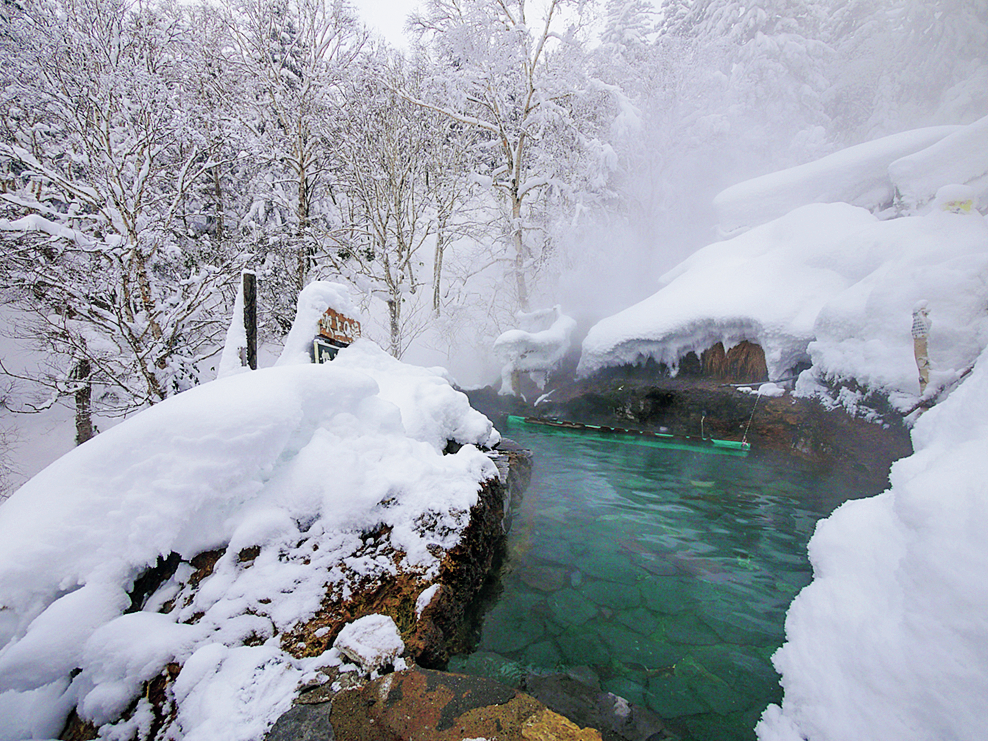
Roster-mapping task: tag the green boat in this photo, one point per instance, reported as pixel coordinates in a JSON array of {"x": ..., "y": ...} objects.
[{"x": 633, "y": 437}]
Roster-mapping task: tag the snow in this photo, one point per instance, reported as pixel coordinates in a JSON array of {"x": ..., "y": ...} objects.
[
  {"x": 858, "y": 175},
  {"x": 297, "y": 460},
  {"x": 36, "y": 223},
  {"x": 536, "y": 349},
  {"x": 770, "y": 390},
  {"x": 961, "y": 157},
  {"x": 313, "y": 301},
  {"x": 425, "y": 599},
  {"x": 766, "y": 286},
  {"x": 890, "y": 640},
  {"x": 231, "y": 362},
  {"x": 371, "y": 641},
  {"x": 828, "y": 284}
]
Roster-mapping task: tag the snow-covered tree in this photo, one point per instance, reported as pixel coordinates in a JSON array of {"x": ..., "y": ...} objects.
[
  {"x": 512, "y": 79},
  {"x": 627, "y": 26},
  {"x": 289, "y": 59},
  {"x": 100, "y": 152},
  {"x": 384, "y": 149},
  {"x": 907, "y": 63},
  {"x": 775, "y": 58}
]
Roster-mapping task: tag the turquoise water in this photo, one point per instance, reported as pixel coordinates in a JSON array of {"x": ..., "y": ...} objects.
[{"x": 666, "y": 574}]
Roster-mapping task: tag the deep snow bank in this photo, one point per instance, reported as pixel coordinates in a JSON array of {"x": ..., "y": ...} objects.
[
  {"x": 903, "y": 170},
  {"x": 828, "y": 284},
  {"x": 296, "y": 460},
  {"x": 858, "y": 175},
  {"x": 890, "y": 640},
  {"x": 961, "y": 157}
]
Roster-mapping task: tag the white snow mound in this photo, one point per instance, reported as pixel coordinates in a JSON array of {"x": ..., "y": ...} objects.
[
  {"x": 858, "y": 175},
  {"x": 297, "y": 460},
  {"x": 372, "y": 642},
  {"x": 537, "y": 349},
  {"x": 890, "y": 640},
  {"x": 961, "y": 157}
]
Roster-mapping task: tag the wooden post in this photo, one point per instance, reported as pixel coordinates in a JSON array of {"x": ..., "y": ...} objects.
[{"x": 250, "y": 318}]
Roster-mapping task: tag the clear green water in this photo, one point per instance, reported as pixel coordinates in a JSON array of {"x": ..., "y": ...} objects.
[{"x": 666, "y": 573}]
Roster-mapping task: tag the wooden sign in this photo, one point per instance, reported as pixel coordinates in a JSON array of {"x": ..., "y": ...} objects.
[{"x": 338, "y": 328}]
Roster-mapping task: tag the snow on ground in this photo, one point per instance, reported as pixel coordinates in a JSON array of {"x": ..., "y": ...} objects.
[
  {"x": 890, "y": 640},
  {"x": 862, "y": 333},
  {"x": 296, "y": 459},
  {"x": 857, "y": 175}
]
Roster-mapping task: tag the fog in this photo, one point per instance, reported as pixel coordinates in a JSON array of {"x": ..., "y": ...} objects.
[{"x": 723, "y": 92}]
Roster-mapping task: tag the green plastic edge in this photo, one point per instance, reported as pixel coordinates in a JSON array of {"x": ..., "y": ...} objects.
[{"x": 664, "y": 441}]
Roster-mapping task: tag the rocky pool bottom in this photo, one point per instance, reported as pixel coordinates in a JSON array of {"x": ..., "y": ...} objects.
[{"x": 663, "y": 575}]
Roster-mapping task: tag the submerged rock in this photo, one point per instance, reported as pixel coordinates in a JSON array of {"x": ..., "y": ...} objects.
[
  {"x": 587, "y": 704},
  {"x": 419, "y": 704}
]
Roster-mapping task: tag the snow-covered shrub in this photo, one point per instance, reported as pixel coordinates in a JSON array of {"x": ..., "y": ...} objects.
[{"x": 537, "y": 349}]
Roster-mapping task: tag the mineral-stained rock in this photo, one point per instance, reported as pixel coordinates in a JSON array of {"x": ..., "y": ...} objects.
[
  {"x": 420, "y": 705},
  {"x": 427, "y": 636},
  {"x": 548, "y": 726}
]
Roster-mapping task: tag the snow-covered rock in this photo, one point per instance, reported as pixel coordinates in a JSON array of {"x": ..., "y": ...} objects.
[
  {"x": 765, "y": 286},
  {"x": 277, "y": 473},
  {"x": 371, "y": 642},
  {"x": 828, "y": 284}
]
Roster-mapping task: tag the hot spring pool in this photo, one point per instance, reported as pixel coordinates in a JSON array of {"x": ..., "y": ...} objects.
[{"x": 665, "y": 573}]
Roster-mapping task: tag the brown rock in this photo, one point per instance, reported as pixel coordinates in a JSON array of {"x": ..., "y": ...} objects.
[{"x": 425, "y": 705}]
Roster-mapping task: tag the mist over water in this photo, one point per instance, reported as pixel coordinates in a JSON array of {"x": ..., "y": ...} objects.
[{"x": 717, "y": 93}]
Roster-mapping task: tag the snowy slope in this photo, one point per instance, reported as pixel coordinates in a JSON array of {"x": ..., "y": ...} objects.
[
  {"x": 297, "y": 460},
  {"x": 961, "y": 157},
  {"x": 857, "y": 175}
]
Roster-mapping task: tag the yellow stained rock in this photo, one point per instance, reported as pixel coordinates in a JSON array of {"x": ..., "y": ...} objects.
[{"x": 549, "y": 726}]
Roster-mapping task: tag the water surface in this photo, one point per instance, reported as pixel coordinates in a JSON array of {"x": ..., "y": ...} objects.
[{"x": 663, "y": 574}]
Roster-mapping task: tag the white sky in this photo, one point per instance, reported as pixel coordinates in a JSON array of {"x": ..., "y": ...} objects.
[{"x": 386, "y": 16}]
